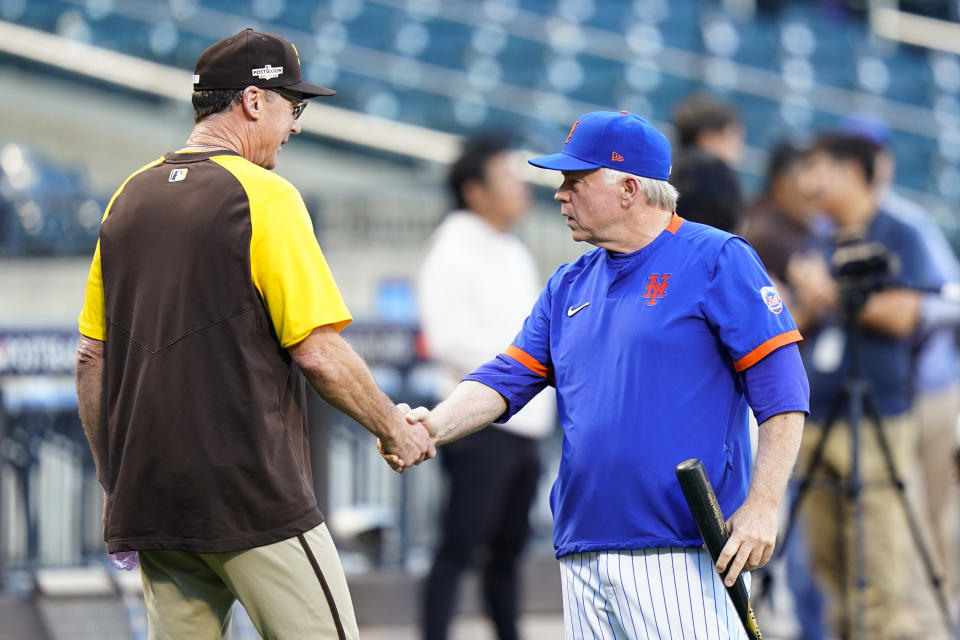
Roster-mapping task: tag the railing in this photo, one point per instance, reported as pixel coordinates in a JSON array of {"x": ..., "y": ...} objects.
[{"x": 51, "y": 502}]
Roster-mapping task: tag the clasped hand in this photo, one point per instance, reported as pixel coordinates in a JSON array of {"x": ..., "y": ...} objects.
[{"x": 411, "y": 442}]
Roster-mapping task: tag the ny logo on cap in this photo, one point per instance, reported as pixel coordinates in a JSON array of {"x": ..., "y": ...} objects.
[{"x": 267, "y": 72}]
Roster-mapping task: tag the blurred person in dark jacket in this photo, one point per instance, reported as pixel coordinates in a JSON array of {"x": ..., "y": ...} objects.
[
  {"x": 710, "y": 191},
  {"x": 709, "y": 124},
  {"x": 778, "y": 222}
]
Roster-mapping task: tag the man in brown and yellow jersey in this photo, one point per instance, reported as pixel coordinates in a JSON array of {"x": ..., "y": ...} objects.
[{"x": 207, "y": 304}]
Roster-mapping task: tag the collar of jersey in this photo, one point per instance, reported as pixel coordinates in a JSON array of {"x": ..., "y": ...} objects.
[
  {"x": 621, "y": 260},
  {"x": 186, "y": 157}
]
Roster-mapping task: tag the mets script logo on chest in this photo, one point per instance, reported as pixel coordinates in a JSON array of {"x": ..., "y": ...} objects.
[{"x": 656, "y": 287}]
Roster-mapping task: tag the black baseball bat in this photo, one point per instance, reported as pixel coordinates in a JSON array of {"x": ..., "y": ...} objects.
[{"x": 713, "y": 529}]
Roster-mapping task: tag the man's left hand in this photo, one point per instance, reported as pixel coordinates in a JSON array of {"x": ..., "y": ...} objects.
[{"x": 753, "y": 537}]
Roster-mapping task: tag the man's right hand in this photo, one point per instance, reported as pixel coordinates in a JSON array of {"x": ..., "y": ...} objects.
[{"x": 410, "y": 444}]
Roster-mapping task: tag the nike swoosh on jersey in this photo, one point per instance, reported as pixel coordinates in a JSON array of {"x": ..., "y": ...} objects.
[{"x": 572, "y": 310}]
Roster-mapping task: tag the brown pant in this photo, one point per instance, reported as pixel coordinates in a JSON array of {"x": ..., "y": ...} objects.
[
  {"x": 293, "y": 589},
  {"x": 888, "y": 547},
  {"x": 937, "y": 497}
]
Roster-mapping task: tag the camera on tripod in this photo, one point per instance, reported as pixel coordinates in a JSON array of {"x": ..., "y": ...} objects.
[{"x": 862, "y": 267}]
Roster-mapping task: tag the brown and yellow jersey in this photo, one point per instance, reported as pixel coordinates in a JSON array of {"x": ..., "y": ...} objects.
[{"x": 207, "y": 269}]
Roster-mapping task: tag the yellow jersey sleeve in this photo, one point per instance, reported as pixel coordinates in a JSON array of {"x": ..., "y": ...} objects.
[
  {"x": 290, "y": 272},
  {"x": 93, "y": 322}
]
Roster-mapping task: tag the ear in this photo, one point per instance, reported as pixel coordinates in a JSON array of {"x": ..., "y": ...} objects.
[
  {"x": 629, "y": 191},
  {"x": 253, "y": 101}
]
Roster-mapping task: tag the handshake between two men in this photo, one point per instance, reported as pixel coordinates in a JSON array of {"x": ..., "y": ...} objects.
[
  {"x": 470, "y": 407},
  {"x": 411, "y": 443}
]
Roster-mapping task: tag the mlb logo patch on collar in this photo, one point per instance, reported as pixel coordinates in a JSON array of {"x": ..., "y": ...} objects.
[{"x": 178, "y": 175}]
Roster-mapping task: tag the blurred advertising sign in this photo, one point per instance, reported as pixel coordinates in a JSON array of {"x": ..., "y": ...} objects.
[
  {"x": 385, "y": 344},
  {"x": 37, "y": 352},
  {"x": 32, "y": 352}
]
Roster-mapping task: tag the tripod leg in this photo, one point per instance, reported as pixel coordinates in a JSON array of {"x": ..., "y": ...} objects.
[
  {"x": 843, "y": 564},
  {"x": 765, "y": 588},
  {"x": 935, "y": 578},
  {"x": 810, "y": 480},
  {"x": 855, "y": 501}
]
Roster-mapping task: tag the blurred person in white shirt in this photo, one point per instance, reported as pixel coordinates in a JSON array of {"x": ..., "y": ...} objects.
[{"x": 476, "y": 285}]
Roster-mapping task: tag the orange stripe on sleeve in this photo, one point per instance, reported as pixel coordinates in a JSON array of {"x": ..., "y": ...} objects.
[
  {"x": 526, "y": 360},
  {"x": 766, "y": 349}
]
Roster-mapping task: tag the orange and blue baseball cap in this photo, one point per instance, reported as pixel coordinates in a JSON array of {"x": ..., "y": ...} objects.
[{"x": 619, "y": 140}]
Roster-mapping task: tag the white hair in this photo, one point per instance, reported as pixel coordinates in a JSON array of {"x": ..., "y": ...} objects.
[{"x": 658, "y": 193}]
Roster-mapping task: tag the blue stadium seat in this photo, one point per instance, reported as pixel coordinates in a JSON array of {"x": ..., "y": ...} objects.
[
  {"x": 830, "y": 39},
  {"x": 448, "y": 44},
  {"x": 910, "y": 77},
  {"x": 523, "y": 61},
  {"x": 759, "y": 43},
  {"x": 374, "y": 27}
]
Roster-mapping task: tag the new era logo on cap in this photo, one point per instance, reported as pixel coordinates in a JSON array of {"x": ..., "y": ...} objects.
[{"x": 622, "y": 141}]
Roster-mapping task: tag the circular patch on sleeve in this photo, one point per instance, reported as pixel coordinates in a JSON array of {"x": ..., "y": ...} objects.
[{"x": 772, "y": 299}]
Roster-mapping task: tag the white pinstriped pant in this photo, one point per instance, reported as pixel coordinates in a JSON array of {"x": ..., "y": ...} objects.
[{"x": 671, "y": 593}]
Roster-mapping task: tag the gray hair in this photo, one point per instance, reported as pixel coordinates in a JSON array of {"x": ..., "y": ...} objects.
[
  {"x": 210, "y": 102},
  {"x": 658, "y": 193}
]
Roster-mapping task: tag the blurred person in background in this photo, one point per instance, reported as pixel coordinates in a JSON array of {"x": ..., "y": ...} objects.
[
  {"x": 838, "y": 177},
  {"x": 709, "y": 124},
  {"x": 207, "y": 303},
  {"x": 475, "y": 287},
  {"x": 779, "y": 224},
  {"x": 710, "y": 191},
  {"x": 936, "y": 376}
]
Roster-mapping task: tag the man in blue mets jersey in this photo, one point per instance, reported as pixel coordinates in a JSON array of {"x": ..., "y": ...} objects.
[{"x": 658, "y": 342}]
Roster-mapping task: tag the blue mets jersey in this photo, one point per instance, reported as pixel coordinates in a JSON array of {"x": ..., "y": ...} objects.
[{"x": 644, "y": 350}]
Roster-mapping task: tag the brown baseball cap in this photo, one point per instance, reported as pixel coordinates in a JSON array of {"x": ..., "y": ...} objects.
[{"x": 253, "y": 58}]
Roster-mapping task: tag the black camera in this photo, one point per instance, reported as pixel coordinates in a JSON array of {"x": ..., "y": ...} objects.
[{"x": 862, "y": 267}]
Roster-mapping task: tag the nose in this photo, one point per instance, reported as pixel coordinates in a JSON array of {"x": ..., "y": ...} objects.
[
  {"x": 562, "y": 194},
  {"x": 295, "y": 127}
]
